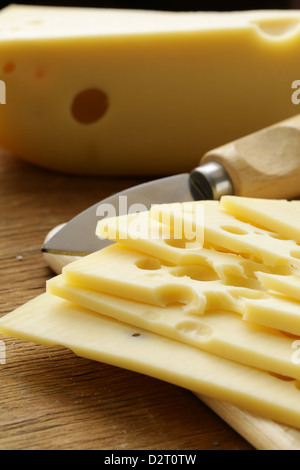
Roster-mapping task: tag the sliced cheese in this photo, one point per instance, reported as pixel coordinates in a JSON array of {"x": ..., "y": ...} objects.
[
  {"x": 280, "y": 216},
  {"x": 136, "y": 92},
  {"x": 227, "y": 232},
  {"x": 130, "y": 274},
  {"x": 275, "y": 311},
  {"x": 288, "y": 285},
  {"x": 142, "y": 232},
  {"x": 219, "y": 332},
  {"x": 50, "y": 321}
]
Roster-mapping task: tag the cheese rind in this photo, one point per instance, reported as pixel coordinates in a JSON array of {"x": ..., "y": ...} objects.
[
  {"x": 160, "y": 111},
  {"x": 218, "y": 332},
  {"x": 48, "y": 320}
]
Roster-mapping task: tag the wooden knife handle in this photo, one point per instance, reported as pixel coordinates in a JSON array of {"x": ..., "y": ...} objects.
[{"x": 264, "y": 164}]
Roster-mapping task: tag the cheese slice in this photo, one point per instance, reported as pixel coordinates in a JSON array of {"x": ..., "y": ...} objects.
[
  {"x": 275, "y": 311},
  {"x": 226, "y": 231},
  {"x": 219, "y": 332},
  {"x": 50, "y": 321},
  {"x": 288, "y": 285},
  {"x": 280, "y": 216},
  {"x": 140, "y": 92},
  {"x": 142, "y": 232},
  {"x": 130, "y": 274}
]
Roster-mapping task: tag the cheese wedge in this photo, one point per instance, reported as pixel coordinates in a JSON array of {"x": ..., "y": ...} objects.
[
  {"x": 280, "y": 216},
  {"x": 226, "y": 231},
  {"x": 140, "y": 92},
  {"x": 50, "y": 321},
  {"x": 219, "y": 332},
  {"x": 130, "y": 274}
]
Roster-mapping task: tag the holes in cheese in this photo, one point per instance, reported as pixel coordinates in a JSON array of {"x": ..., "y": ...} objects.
[
  {"x": 193, "y": 328},
  {"x": 218, "y": 331},
  {"x": 265, "y": 249},
  {"x": 49, "y": 321},
  {"x": 158, "y": 240},
  {"x": 236, "y": 230},
  {"x": 279, "y": 216},
  {"x": 148, "y": 264},
  {"x": 89, "y": 106},
  {"x": 198, "y": 273},
  {"x": 183, "y": 243}
]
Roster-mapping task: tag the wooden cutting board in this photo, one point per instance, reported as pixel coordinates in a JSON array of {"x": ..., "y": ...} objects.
[{"x": 52, "y": 399}]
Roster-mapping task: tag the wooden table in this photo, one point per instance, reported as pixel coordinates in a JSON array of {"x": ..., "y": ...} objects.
[{"x": 52, "y": 399}]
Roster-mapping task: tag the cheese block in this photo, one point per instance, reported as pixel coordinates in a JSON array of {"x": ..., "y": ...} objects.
[
  {"x": 280, "y": 216},
  {"x": 219, "y": 332},
  {"x": 227, "y": 232},
  {"x": 130, "y": 274},
  {"x": 113, "y": 91},
  {"x": 142, "y": 232},
  {"x": 50, "y": 321}
]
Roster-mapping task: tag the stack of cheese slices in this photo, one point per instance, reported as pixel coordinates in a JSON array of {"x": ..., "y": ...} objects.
[{"x": 204, "y": 295}]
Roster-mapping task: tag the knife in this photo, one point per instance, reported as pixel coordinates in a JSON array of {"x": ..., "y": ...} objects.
[{"x": 265, "y": 164}]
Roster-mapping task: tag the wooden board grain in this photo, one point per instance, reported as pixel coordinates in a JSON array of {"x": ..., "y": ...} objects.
[{"x": 51, "y": 399}]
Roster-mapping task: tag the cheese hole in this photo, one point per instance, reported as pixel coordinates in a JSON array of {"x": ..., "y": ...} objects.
[
  {"x": 234, "y": 230},
  {"x": 197, "y": 273},
  {"x": 194, "y": 328},
  {"x": 183, "y": 243},
  {"x": 89, "y": 106},
  {"x": 277, "y": 236},
  {"x": 148, "y": 264},
  {"x": 9, "y": 66}
]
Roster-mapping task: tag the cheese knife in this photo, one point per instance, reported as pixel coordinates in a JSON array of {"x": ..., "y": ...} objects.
[{"x": 265, "y": 164}]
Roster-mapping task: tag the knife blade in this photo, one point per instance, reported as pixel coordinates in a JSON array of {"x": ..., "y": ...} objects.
[
  {"x": 77, "y": 237},
  {"x": 263, "y": 164}
]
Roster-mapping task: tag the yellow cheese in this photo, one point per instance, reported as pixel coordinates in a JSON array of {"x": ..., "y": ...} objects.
[
  {"x": 275, "y": 311},
  {"x": 280, "y": 216},
  {"x": 226, "y": 231},
  {"x": 121, "y": 91},
  {"x": 219, "y": 332},
  {"x": 51, "y": 321},
  {"x": 141, "y": 232},
  {"x": 127, "y": 273},
  {"x": 288, "y": 285}
]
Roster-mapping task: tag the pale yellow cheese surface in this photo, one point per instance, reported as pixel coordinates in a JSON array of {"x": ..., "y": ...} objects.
[
  {"x": 144, "y": 233},
  {"x": 228, "y": 232},
  {"x": 51, "y": 321},
  {"x": 275, "y": 311},
  {"x": 288, "y": 285},
  {"x": 141, "y": 92},
  {"x": 219, "y": 332},
  {"x": 280, "y": 216},
  {"x": 133, "y": 275}
]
